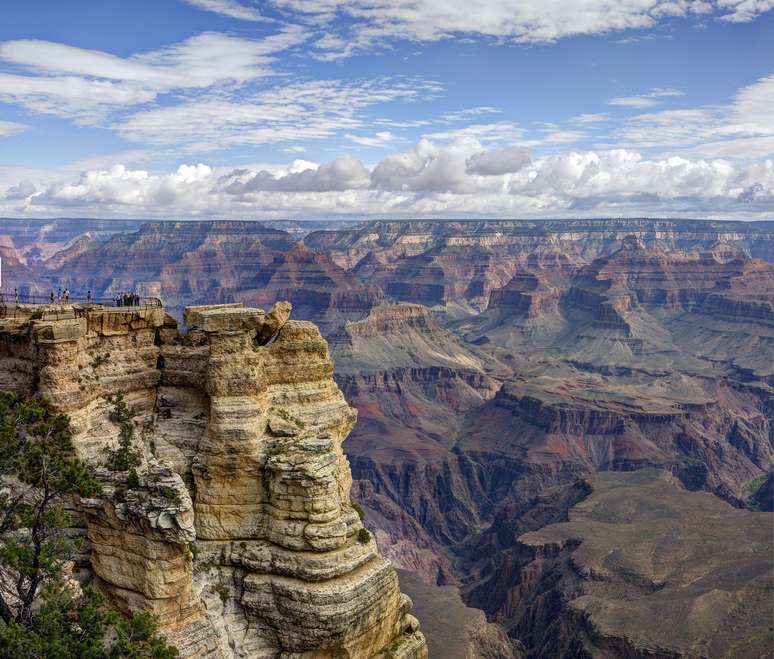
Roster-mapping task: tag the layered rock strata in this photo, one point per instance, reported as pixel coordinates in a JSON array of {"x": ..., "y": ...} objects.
[
  {"x": 236, "y": 527},
  {"x": 640, "y": 568}
]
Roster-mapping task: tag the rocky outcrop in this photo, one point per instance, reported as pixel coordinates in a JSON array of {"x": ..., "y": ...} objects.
[
  {"x": 234, "y": 523},
  {"x": 529, "y": 293}
]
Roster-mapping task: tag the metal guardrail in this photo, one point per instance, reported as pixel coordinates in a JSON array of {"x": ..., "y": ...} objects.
[
  {"x": 118, "y": 301},
  {"x": 17, "y": 305}
]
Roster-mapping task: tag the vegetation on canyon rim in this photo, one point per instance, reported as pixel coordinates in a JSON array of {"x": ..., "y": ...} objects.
[{"x": 41, "y": 613}]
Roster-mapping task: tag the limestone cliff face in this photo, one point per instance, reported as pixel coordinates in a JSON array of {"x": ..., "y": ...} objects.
[{"x": 237, "y": 527}]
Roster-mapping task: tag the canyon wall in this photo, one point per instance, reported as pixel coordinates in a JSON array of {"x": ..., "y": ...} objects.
[
  {"x": 640, "y": 568},
  {"x": 235, "y": 526}
]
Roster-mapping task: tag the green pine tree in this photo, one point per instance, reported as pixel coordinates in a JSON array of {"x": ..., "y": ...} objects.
[{"x": 39, "y": 615}]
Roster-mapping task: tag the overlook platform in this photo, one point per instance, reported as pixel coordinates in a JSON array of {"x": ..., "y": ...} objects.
[{"x": 41, "y": 307}]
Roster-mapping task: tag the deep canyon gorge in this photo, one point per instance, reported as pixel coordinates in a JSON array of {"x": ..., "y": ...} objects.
[{"x": 549, "y": 424}]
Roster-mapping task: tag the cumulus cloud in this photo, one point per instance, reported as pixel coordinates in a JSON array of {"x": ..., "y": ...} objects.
[
  {"x": 431, "y": 179},
  {"x": 122, "y": 187},
  {"x": 498, "y": 161},
  {"x": 427, "y": 167},
  {"x": 344, "y": 173},
  {"x": 21, "y": 190}
]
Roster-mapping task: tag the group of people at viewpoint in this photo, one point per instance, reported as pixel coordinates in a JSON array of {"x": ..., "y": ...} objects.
[
  {"x": 120, "y": 299},
  {"x": 127, "y": 300},
  {"x": 62, "y": 296}
]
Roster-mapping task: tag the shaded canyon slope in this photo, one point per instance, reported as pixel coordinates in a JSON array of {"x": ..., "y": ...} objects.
[{"x": 641, "y": 568}]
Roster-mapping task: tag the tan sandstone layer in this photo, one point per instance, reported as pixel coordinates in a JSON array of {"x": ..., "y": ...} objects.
[{"x": 237, "y": 528}]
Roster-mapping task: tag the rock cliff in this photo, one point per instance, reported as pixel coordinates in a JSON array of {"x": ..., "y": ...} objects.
[{"x": 230, "y": 514}]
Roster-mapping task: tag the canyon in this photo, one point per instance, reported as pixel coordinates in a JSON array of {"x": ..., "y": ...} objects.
[{"x": 512, "y": 381}]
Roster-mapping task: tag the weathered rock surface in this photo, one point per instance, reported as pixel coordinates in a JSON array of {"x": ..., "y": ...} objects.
[{"x": 236, "y": 528}]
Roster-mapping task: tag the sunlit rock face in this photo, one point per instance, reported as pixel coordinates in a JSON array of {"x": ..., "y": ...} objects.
[{"x": 236, "y": 527}]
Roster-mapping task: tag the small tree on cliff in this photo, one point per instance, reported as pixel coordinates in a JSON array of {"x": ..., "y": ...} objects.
[
  {"x": 39, "y": 615},
  {"x": 37, "y": 472}
]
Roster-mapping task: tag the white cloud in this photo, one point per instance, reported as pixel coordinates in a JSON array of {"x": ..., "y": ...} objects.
[
  {"x": 344, "y": 173},
  {"x": 463, "y": 115},
  {"x": 460, "y": 178},
  {"x": 499, "y": 132},
  {"x": 743, "y": 11},
  {"x": 87, "y": 84},
  {"x": 672, "y": 128},
  {"x": 229, "y": 8},
  {"x": 529, "y": 21},
  {"x": 427, "y": 168},
  {"x": 332, "y": 48},
  {"x": 647, "y": 100},
  {"x": 557, "y": 136},
  {"x": 379, "y": 139},
  {"x": 22, "y": 190},
  {"x": 742, "y": 129},
  {"x": 295, "y": 112},
  {"x": 69, "y": 96},
  {"x": 120, "y": 186},
  {"x": 8, "y": 128},
  {"x": 590, "y": 118},
  {"x": 740, "y": 147},
  {"x": 497, "y": 162},
  {"x": 752, "y": 108}
]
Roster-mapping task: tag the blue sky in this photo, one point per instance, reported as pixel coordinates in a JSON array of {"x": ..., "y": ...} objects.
[{"x": 317, "y": 108}]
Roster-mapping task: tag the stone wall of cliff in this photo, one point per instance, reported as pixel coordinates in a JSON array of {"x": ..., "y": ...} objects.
[{"x": 236, "y": 527}]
